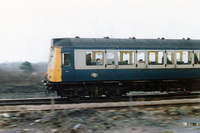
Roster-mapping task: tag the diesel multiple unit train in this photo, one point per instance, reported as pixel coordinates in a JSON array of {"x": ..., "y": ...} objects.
[{"x": 94, "y": 67}]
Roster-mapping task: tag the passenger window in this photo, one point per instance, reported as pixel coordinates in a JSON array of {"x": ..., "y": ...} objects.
[
  {"x": 110, "y": 58},
  {"x": 94, "y": 58},
  {"x": 196, "y": 58},
  {"x": 67, "y": 60},
  {"x": 170, "y": 58},
  {"x": 183, "y": 57},
  {"x": 140, "y": 57},
  {"x": 125, "y": 58},
  {"x": 155, "y": 58}
]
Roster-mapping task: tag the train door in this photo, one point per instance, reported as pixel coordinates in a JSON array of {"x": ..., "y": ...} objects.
[
  {"x": 67, "y": 65},
  {"x": 126, "y": 65},
  {"x": 170, "y": 59},
  {"x": 183, "y": 62},
  {"x": 111, "y": 64},
  {"x": 142, "y": 61},
  {"x": 196, "y": 59},
  {"x": 196, "y": 64},
  {"x": 170, "y": 64}
]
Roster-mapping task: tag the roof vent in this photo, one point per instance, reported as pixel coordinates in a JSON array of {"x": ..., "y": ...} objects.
[
  {"x": 133, "y": 38},
  {"x": 183, "y": 38},
  {"x": 163, "y": 38},
  {"x": 77, "y": 37},
  {"x": 106, "y": 37},
  {"x": 188, "y": 38},
  {"x": 158, "y": 38}
]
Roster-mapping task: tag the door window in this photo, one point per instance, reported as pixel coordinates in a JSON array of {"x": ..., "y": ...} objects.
[
  {"x": 141, "y": 58},
  {"x": 110, "y": 58},
  {"x": 197, "y": 58},
  {"x": 67, "y": 59},
  {"x": 170, "y": 58}
]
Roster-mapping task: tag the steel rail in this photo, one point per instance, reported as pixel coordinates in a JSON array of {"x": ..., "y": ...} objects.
[
  {"x": 43, "y": 101},
  {"x": 110, "y": 105}
]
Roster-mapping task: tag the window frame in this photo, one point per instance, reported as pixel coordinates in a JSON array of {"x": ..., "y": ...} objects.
[
  {"x": 141, "y": 65},
  {"x": 80, "y": 59},
  {"x": 51, "y": 58},
  {"x": 94, "y": 66},
  {"x": 103, "y": 58},
  {"x": 133, "y": 66},
  {"x": 174, "y": 63},
  {"x": 195, "y": 65},
  {"x": 63, "y": 56},
  {"x": 184, "y": 65},
  {"x": 115, "y": 66},
  {"x": 156, "y": 66}
]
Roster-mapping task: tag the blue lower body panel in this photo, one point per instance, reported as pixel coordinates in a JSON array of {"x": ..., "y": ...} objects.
[{"x": 135, "y": 74}]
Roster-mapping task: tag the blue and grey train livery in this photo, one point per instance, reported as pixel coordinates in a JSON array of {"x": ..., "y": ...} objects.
[{"x": 81, "y": 67}]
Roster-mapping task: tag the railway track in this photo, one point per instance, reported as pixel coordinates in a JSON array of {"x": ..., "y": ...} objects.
[
  {"x": 108, "y": 105},
  {"x": 133, "y": 98}
]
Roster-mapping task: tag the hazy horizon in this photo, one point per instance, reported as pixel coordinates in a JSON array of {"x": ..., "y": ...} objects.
[{"x": 27, "y": 27}]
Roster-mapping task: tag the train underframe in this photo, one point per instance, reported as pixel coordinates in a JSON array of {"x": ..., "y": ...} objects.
[{"x": 119, "y": 88}]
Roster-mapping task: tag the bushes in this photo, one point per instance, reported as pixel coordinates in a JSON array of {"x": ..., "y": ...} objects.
[{"x": 17, "y": 77}]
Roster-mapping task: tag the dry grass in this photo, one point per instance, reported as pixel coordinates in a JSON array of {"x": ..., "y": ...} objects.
[{"x": 18, "y": 77}]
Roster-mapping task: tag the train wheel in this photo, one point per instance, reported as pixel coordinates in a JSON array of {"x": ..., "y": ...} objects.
[
  {"x": 47, "y": 91},
  {"x": 73, "y": 98},
  {"x": 177, "y": 91},
  {"x": 115, "y": 97},
  {"x": 171, "y": 90}
]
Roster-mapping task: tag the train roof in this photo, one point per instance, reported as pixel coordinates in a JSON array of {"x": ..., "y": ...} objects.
[{"x": 132, "y": 43}]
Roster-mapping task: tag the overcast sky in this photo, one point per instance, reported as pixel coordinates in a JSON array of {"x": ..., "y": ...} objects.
[{"x": 27, "y": 26}]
